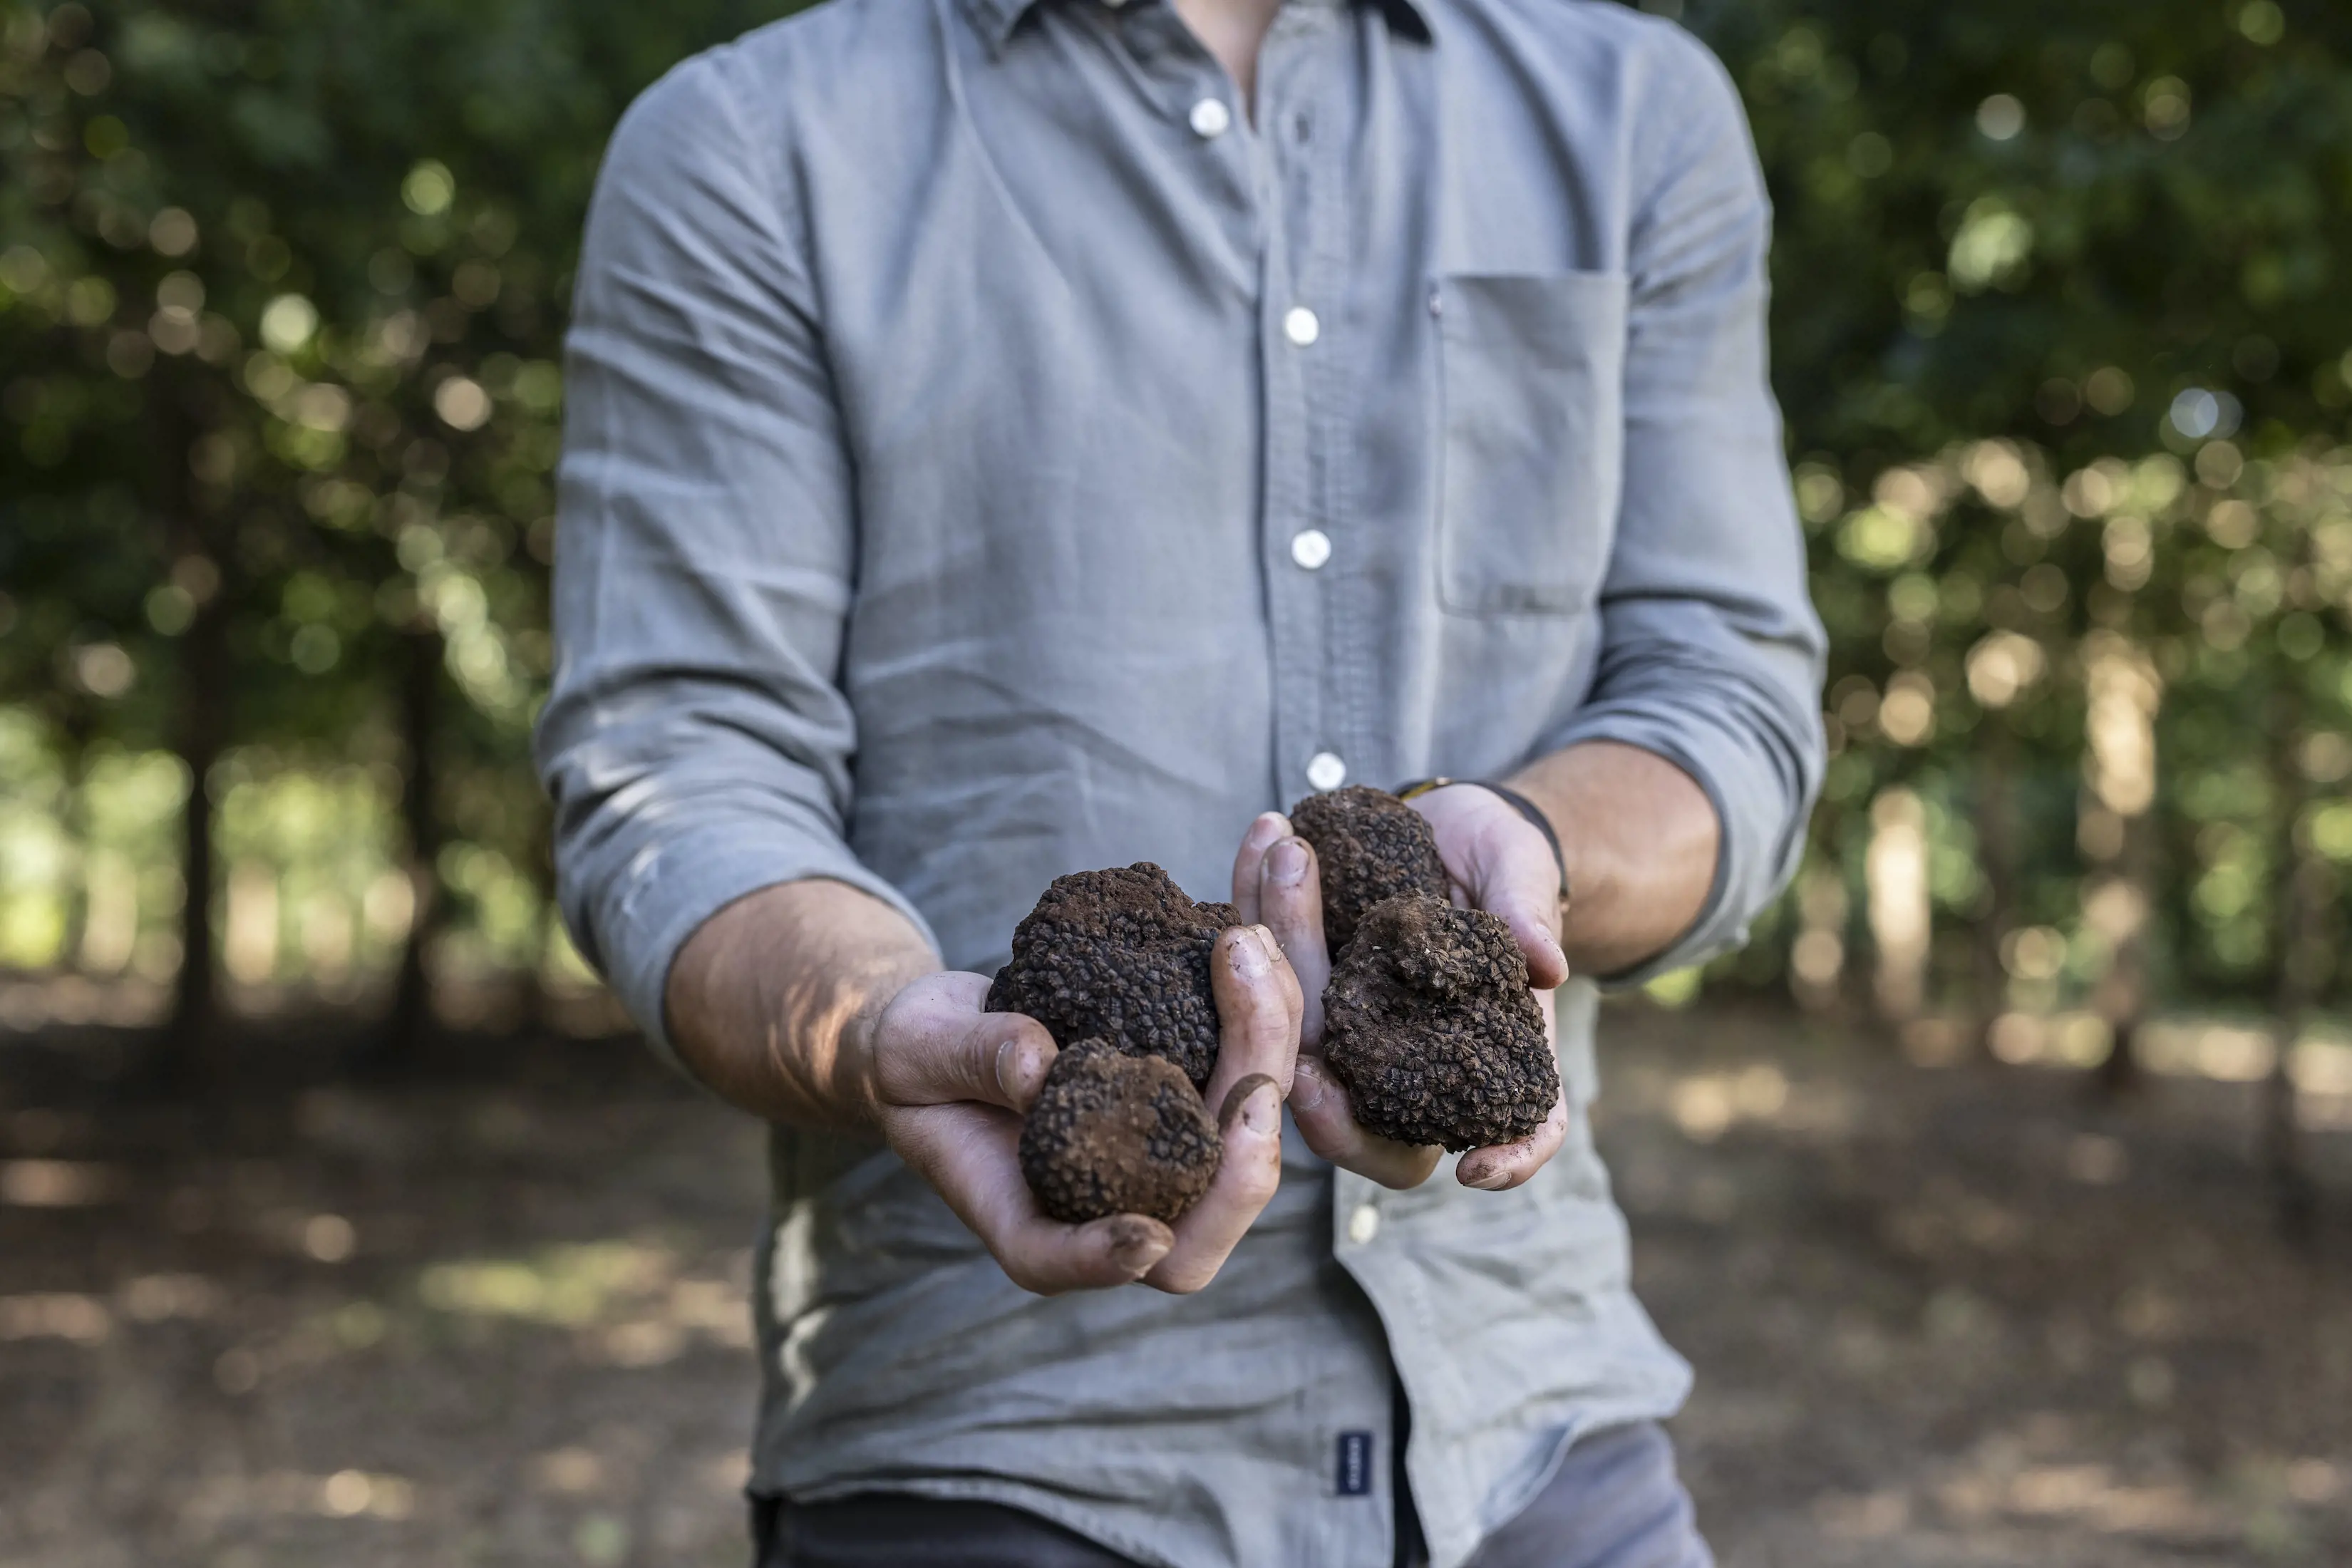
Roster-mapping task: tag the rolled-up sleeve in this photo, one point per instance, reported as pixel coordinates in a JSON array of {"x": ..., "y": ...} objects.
[
  {"x": 696, "y": 743},
  {"x": 1711, "y": 654}
]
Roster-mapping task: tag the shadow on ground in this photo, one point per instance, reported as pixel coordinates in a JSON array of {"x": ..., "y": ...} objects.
[
  {"x": 491, "y": 1311},
  {"x": 1979, "y": 1315}
]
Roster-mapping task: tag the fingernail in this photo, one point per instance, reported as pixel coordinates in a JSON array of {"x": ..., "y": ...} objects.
[
  {"x": 1491, "y": 1179},
  {"x": 1010, "y": 1078},
  {"x": 1246, "y": 1099},
  {"x": 1262, "y": 1112},
  {"x": 1308, "y": 1085},
  {"x": 1250, "y": 958},
  {"x": 1136, "y": 1244},
  {"x": 1269, "y": 827},
  {"x": 1004, "y": 1060},
  {"x": 1287, "y": 862}
]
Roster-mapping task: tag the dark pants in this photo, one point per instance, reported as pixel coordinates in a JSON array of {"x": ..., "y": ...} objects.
[{"x": 1615, "y": 1503}]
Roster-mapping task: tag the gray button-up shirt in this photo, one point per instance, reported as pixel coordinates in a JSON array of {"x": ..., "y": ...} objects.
[{"x": 995, "y": 452}]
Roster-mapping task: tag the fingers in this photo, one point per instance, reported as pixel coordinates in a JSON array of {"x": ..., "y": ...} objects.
[
  {"x": 1291, "y": 902},
  {"x": 1270, "y": 826},
  {"x": 1319, "y": 1105},
  {"x": 1502, "y": 1166},
  {"x": 933, "y": 1046},
  {"x": 1250, "y": 1171},
  {"x": 1258, "y": 1004},
  {"x": 970, "y": 1156}
]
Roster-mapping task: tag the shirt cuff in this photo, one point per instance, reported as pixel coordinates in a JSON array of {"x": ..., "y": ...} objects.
[
  {"x": 642, "y": 917},
  {"x": 1756, "y": 847}
]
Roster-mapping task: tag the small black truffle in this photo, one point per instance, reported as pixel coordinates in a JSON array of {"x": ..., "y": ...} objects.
[
  {"x": 1371, "y": 846},
  {"x": 1120, "y": 955},
  {"x": 1113, "y": 1133},
  {"x": 1429, "y": 1024}
]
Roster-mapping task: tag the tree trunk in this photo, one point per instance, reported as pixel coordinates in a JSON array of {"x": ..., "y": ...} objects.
[
  {"x": 2301, "y": 954},
  {"x": 75, "y": 818},
  {"x": 1996, "y": 854},
  {"x": 2124, "y": 694},
  {"x": 201, "y": 726},
  {"x": 2121, "y": 998},
  {"x": 540, "y": 1010},
  {"x": 202, "y": 729},
  {"x": 411, "y": 1019}
]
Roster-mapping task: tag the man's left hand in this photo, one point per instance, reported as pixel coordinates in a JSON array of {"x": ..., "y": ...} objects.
[{"x": 1496, "y": 861}]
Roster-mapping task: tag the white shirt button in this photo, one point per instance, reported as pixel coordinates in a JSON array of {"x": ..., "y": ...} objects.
[
  {"x": 1326, "y": 771},
  {"x": 1310, "y": 547},
  {"x": 1300, "y": 326},
  {"x": 1210, "y": 117},
  {"x": 1363, "y": 1224}
]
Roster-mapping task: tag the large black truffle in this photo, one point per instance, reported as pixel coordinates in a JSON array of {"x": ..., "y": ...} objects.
[
  {"x": 1120, "y": 955},
  {"x": 1113, "y": 1133},
  {"x": 1429, "y": 1024},
  {"x": 1371, "y": 846}
]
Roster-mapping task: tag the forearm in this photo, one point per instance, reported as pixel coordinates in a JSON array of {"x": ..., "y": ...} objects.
[
  {"x": 1641, "y": 840},
  {"x": 772, "y": 1000}
]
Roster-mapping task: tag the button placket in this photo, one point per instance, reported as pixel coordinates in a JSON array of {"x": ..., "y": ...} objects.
[
  {"x": 1350, "y": 661},
  {"x": 1295, "y": 599},
  {"x": 1301, "y": 73}
]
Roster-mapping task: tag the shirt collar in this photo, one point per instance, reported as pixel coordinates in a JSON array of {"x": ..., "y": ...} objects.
[{"x": 997, "y": 19}]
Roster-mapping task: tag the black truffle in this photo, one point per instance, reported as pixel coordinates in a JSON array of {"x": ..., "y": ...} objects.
[
  {"x": 1120, "y": 955},
  {"x": 1371, "y": 846},
  {"x": 1429, "y": 1024},
  {"x": 1112, "y": 1134}
]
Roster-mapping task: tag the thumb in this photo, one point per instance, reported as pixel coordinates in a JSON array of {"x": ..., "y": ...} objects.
[{"x": 933, "y": 1046}]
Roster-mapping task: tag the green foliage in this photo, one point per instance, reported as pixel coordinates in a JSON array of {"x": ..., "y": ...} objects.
[
  {"x": 2062, "y": 341},
  {"x": 2059, "y": 331},
  {"x": 281, "y": 297}
]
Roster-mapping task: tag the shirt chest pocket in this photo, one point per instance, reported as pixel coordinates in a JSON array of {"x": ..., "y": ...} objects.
[{"x": 1531, "y": 371}]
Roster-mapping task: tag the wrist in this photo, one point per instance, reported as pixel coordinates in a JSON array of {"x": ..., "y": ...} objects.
[
  {"x": 1641, "y": 845},
  {"x": 1591, "y": 874}
]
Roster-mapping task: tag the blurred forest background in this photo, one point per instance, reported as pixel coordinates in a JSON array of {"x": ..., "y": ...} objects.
[
  {"x": 2064, "y": 340},
  {"x": 2061, "y": 334},
  {"x": 2059, "y": 331}
]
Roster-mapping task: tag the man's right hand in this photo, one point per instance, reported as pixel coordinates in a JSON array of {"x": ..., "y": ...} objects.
[{"x": 949, "y": 1083}]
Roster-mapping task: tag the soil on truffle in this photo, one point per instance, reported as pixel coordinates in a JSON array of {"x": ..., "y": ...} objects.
[
  {"x": 1113, "y": 1133},
  {"x": 1120, "y": 955},
  {"x": 1371, "y": 847},
  {"x": 1429, "y": 1024}
]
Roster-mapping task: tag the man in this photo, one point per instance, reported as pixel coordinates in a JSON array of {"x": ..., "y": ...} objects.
[{"x": 1014, "y": 436}]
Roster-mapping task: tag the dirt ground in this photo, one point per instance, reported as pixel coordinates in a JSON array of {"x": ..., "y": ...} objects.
[{"x": 491, "y": 1311}]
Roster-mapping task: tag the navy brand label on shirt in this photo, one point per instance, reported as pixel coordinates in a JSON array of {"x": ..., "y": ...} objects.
[{"x": 1355, "y": 1464}]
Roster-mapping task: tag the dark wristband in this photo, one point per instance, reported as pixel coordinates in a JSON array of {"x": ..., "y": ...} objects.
[{"x": 1517, "y": 803}]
